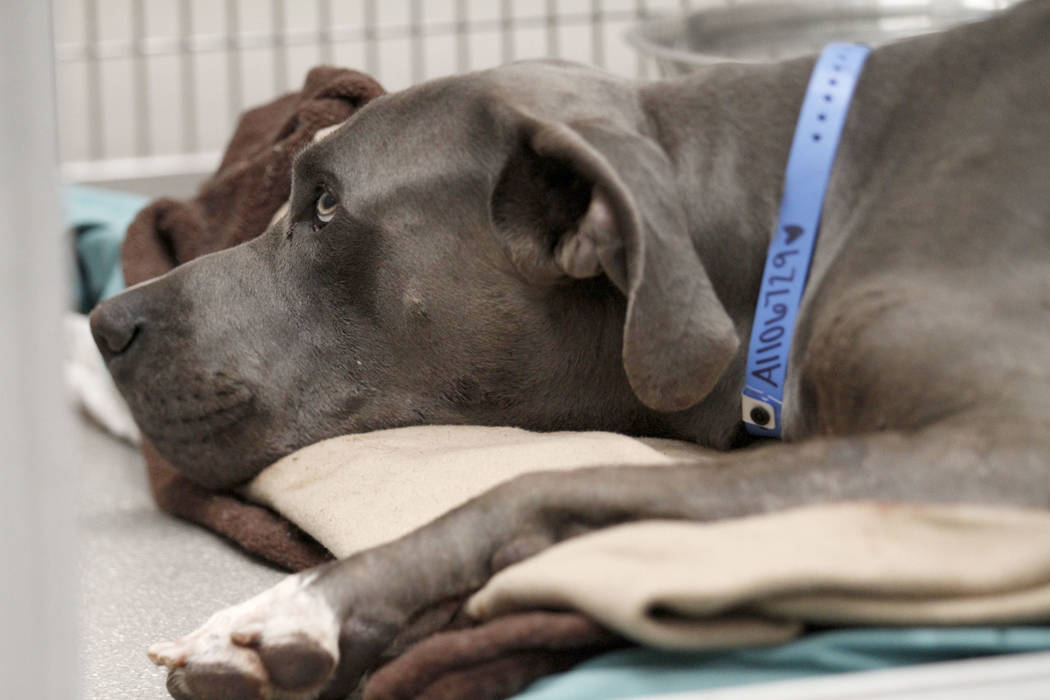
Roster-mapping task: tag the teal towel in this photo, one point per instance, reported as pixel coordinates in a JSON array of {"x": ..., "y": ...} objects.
[
  {"x": 639, "y": 671},
  {"x": 99, "y": 219}
]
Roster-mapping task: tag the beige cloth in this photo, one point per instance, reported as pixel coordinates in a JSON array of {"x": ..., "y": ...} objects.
[
  {"x": 755, "y": 580},
  {"x": 759, "y": 579},
  {"x": 358, "y": 491}
]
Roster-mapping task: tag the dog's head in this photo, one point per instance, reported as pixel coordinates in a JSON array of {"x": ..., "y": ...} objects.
[{"x": 509, "y": 247}]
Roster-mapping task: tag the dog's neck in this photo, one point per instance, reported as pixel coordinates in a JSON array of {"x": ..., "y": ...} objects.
[
  {"x": 730, "y": 161},
  {"x": 729, "y": 157}
]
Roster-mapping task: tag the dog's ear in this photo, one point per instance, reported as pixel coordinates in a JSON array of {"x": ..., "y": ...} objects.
[{"x": 579, "y": 200}]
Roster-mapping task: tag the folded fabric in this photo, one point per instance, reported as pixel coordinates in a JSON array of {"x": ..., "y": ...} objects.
[
  {"x": 253, "y": 527},
  {"x": 358, "y": 491},
  {"x": 237, "y": 204},
  {"x": 759, "y": 580},
  {"x": 98, "y": 218},
  {"x": 751, "y": 582},
  {"x": 491, "y": 661}
]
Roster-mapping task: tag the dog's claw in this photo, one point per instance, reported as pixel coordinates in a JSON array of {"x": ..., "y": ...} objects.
[
  {"x": 248, "y": 636},
  {"x": 169, "y": 654}
]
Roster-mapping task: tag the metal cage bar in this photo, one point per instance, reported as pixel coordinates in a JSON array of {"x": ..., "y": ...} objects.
[
  {"x": 233, "y": 61},
  {"x": 143, "y": 144},
  {"x": 187, "y": 79},
  {"x": 280, "y": 46},
  {"x": 93, "y": 81},
  {"x": 371, "y": 38},
  {"x": 324, "y": 29}
]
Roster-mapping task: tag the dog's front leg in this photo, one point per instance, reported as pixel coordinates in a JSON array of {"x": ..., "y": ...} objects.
[{"x": 318, "y": 633}]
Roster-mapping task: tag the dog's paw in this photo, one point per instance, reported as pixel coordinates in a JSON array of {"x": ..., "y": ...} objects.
[{"x": 281, "y": 644}]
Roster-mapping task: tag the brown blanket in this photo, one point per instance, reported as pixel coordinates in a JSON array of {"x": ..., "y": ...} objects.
[{"x": 493, "y": 660}]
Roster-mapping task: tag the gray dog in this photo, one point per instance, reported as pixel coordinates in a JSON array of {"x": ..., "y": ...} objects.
[{"x": 544, "y": 245}]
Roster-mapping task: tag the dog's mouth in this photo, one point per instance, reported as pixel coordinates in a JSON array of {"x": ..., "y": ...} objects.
[
  {"x": 193, "y": 411},
  {"x": 212, "y": 440},
  {"x": 217, "y": 429},
  {"x": 181, "y": 427}
]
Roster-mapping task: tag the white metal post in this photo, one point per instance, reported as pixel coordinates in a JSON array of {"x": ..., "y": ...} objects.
[{"x": 38, "y": 642}]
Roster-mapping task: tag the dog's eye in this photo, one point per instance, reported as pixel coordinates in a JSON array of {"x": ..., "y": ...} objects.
[{"x": 325, "y": 207}]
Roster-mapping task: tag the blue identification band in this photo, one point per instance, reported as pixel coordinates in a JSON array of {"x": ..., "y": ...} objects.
[{"x": 820, "y": 123}]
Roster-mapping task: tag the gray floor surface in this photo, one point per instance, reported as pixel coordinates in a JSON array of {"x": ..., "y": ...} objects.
[{"x": 144, "y": 576}]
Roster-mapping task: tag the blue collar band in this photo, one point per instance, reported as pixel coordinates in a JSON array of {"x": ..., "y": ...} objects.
[{"x": 820, "y": 123}]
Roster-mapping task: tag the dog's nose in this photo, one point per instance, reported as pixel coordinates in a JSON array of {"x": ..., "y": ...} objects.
[{"x": 114, "y": 326}]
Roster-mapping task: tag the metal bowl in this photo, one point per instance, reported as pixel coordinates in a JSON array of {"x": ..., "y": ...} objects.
[{"x": 763, "y": 32}]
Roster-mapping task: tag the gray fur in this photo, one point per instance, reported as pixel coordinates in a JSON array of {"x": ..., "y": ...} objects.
[{"x": 613, "y": 287}]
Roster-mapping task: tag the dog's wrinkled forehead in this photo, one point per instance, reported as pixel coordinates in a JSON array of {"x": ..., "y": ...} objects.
[
  {"x": 426, "y": 129},
  {"x": 412, "y": 138},
  {"x": 428, "y": 119}
]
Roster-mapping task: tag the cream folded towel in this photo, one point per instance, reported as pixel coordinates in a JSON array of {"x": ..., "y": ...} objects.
[
  {"x": 358, "y": 491},
  {"x": 755, "y": 580}
]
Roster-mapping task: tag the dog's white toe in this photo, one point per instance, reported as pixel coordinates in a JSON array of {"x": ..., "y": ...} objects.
[{"x": 284, "y": 639}]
